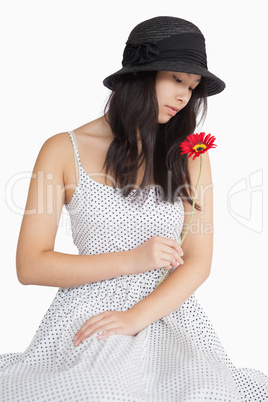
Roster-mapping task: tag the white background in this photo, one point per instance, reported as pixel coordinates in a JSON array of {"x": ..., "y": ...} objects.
[{"x": 55, "y": 55}]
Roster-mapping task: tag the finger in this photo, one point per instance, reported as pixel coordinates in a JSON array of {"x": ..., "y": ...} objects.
[
  {"x": 173, "y": 243},
  {"x": 177, "y": 247},
  {"x": 89, "y": 328},
  {"x": 90, "y": 331},
  {"x": 90, "y": 321},
  {"x": 169, "y": 259},
  {"x": 94, "y": 322},
  {"x": 169, "y": 250},
  {"x": 107, "y": 334}
]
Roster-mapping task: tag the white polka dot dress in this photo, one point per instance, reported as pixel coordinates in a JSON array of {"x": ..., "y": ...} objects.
[{"x": 178, "y": 358}]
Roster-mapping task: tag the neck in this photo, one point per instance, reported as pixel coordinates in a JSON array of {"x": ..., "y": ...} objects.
[{"x": 105, "y": 125}]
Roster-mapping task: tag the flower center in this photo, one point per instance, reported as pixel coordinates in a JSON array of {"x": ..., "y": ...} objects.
[{"x": 199, "y": 147}]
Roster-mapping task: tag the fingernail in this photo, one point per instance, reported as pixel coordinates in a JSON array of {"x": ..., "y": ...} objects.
[{"x": 76, "y": 341}]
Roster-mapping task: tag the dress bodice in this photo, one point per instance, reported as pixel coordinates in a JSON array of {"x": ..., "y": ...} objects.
[{"x": 102, "y": 220}]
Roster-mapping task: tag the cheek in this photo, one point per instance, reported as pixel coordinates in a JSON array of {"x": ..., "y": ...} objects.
[
  {"x": 187, "y": 100},
  {"x": 163, "y": 116},
  {"x": 158, "y": 95},
  {"x": 162, "y": 90}
]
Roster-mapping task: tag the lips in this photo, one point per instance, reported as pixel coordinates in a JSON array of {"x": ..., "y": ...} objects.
[{"x": 172, "y": 110}]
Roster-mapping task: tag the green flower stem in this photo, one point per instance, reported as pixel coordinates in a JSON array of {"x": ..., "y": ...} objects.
[{"x": 192, "y": 213}]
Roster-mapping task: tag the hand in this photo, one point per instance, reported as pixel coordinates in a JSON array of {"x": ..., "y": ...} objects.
[
  {"x": 157, "y": 252},
  {"x": 111, "y": 322}
]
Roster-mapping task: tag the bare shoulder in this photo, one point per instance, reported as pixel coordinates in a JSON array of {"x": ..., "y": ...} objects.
[
  {"x": 57, "y": 144},
  {"x": 56, "y": 155}
]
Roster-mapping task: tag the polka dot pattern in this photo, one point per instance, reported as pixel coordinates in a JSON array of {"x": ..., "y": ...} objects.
[{"x": 178, "y": 358}]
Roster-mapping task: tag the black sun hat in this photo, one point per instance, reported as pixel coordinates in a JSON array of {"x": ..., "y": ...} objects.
[{"x": 167, "y": 44}]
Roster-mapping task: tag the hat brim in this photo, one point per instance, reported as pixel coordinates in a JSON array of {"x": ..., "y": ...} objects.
[{"x": 214, "y": 84}]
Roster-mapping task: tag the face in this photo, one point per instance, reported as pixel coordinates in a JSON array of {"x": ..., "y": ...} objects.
[{"x": 173, "y": 91}]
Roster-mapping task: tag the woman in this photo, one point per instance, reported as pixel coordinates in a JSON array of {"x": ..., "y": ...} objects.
[{"x": 110, "y": 334}]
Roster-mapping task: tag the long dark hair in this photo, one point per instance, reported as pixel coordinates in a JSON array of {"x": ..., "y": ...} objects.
[{"x": 133, "y": 108}]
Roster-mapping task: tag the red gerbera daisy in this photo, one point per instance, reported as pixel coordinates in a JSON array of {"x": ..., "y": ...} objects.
[{"x": 196, "y": 144}]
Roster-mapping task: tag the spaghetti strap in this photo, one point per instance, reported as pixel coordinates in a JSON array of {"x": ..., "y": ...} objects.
[
  {"x": 76, "y": 153},
  {"x": 75, "y": 145}
]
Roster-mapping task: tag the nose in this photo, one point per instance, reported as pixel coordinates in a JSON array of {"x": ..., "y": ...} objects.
[{"x": 183, "y": 94}]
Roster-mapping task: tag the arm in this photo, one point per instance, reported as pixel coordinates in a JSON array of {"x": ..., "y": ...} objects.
[
  {"x": 197, "y": 248},
  {"x": 36, "y": 261}
]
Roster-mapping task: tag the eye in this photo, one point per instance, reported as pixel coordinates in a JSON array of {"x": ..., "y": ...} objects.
[
  {"x": 176, "y": 78},
  {"x": 193, "y": 89}
]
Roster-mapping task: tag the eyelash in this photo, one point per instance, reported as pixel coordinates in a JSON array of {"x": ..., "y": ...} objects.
[{"x": 178, "y": 80}]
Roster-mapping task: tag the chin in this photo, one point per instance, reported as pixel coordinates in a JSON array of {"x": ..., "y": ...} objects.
[{"x": 164, "y": 120}]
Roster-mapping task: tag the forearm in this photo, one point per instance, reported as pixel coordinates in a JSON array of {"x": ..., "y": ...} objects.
[
  {"x": 51, "y": 268},
  {"x": 172, "y": 292}
]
